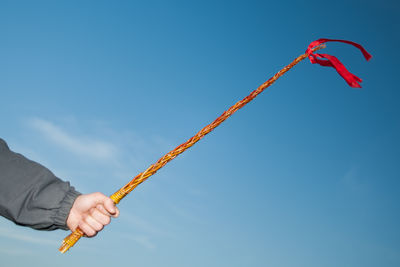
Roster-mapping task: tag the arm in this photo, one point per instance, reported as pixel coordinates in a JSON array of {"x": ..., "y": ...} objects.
[{"x": 31, "y": 195}]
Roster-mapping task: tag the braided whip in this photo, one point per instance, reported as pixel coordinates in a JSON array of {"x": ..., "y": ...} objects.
[
  {"x": 71, "y": 239},
  {"x": 331, "y": 61}
]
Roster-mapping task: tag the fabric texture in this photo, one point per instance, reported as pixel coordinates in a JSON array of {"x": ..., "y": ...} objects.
[{"x": 31, "y": 195}]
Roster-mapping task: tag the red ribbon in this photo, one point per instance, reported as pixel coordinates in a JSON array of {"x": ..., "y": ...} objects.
[{"x": 332, "y": 61}]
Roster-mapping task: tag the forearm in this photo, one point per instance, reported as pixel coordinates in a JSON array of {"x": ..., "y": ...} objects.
[{"x": 31, "y": 195}]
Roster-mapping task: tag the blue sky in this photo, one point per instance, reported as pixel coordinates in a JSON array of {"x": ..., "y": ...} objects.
[{"x": 305, "y": 175}]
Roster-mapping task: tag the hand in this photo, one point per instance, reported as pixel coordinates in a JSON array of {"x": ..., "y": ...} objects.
[{"x": 91, "y": 212}]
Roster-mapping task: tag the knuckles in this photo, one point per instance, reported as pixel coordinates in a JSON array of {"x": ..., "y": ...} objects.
[{"x": 94, "y": 218}]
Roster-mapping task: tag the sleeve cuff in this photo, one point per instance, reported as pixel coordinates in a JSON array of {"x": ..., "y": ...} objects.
[{"x": 65, "y": 206}]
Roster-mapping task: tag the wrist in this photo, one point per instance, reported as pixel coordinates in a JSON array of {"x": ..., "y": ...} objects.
[{"x": 66, "y": 205}]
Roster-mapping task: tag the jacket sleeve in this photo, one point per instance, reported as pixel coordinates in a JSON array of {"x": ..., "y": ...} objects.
[{"x": 31, "y": 195}]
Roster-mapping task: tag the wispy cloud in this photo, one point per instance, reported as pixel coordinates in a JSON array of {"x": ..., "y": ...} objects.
[
  {"x": 15, "y": 251},
  {"x": 143, "y": 225},
  {"x": 144, "y": 232},
  {"x": 186, "y": 214},
  {"x": 142, "y": 240},
  {"x": 8, "y": 233},
  {"x": 91, "y": 148},
  {"x": 81, "y": 146}
]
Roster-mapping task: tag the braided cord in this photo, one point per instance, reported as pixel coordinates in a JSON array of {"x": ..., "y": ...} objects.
[
  {"x": 70, "y": 240},
  {"x": 141, "y": 177}
]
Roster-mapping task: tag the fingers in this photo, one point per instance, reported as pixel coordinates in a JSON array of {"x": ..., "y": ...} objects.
[
  {"x": 107, "y": 203},
  {"x": 87, "y": 229},
  {"x": 116, "y": 212},
  {"x": 103, "y": 210},
  {"x": 100, "y": 217},
  {"x": 94, "y": 223},
  {"x": 91, "y": 213},
  {"x": 110, "y": 206}
]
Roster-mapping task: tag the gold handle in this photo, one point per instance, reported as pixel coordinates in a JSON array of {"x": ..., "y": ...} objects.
[{"x": 70, "y": 240}]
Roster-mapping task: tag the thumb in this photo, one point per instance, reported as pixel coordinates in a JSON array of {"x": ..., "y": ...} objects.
[{"x": 107, "y": 203}]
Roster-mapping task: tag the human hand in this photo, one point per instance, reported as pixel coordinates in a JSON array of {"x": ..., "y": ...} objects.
[{"x": 91, "y": 212}]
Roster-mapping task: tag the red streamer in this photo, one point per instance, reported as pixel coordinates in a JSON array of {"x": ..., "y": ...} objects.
[{"x": 332, "y": 61}]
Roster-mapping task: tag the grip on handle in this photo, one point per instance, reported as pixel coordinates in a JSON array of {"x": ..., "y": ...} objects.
[{"x": 70, "y": 240}]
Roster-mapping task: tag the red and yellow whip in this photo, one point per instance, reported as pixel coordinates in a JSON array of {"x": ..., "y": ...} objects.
[{"x": 322, "y": 59}]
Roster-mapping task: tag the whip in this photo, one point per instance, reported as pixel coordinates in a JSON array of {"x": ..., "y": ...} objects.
[{"x": 321, "y": 59}]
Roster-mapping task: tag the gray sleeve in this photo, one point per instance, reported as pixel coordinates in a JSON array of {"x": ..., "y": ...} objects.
[{"x": 31, "y": 195}]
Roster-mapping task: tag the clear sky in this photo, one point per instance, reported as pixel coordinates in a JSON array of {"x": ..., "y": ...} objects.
[{"x": 305, "y": 175}]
